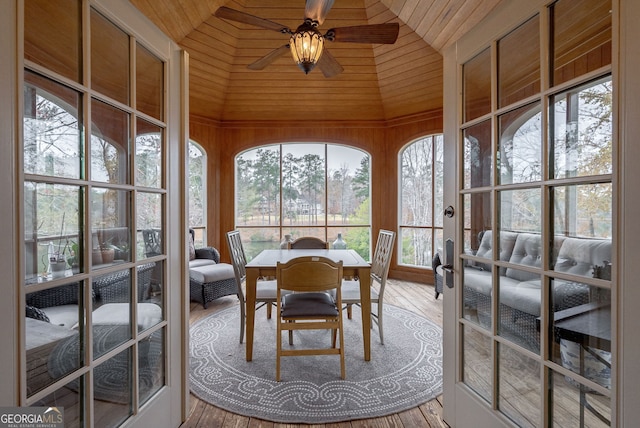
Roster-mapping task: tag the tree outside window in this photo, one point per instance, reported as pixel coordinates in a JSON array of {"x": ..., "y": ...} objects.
[
  {"x": 197, "y": 192},
  {"x": 421, "y": 182},
  {"x": 303, "y": 189}
]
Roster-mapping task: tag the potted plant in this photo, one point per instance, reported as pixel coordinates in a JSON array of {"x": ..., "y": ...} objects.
[
  {"x": 74, "y": 257},
  {"x": 103, "y": 254}
]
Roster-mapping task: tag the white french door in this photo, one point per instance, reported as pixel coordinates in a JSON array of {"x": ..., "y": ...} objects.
[
  {"x": 531, "y": 131},
  {"x": 94, "y": 155}
]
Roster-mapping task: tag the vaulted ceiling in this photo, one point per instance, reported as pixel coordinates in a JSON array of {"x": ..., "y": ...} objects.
[{"x": 379, "y": 82}]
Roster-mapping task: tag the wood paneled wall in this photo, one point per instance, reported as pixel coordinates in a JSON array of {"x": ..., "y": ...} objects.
[{"x": 382, "y": 140}]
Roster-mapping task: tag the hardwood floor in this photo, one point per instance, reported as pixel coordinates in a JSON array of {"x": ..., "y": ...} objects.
[{"x": 418, "y": 298}]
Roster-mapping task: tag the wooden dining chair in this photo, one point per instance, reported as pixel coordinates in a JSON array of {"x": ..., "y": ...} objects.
[
  {"x": 379, "y": 272},
  {"x": 309, "y": 305},
  {"x": 265, "y": 289},
  {"x": 308, "y": 242}
]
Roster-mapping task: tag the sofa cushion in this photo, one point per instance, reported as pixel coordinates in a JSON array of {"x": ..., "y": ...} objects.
[
  {"x": 478, "y": 280},
  {"x": 524, "y": 297},
  {"x": 579, "y": 256},
  {"x": 507, "y": 242},
  {"x": 526, "y": 251}
]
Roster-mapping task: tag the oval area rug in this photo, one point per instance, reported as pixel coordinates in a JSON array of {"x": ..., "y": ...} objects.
[{"x": 403, "y": 373}]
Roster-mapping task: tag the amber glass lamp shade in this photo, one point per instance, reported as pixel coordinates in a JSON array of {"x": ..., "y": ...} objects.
[{"x": 306, "y": 46}]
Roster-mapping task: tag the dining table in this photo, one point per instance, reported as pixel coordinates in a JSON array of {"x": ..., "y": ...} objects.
[{"x": 264, "y": 265}]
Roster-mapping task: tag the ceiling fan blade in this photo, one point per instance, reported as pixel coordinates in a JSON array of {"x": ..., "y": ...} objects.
[
  {"x": 329, "y": 65},
  {"x": 374, "y": 33},
  {"x": 317, "y": 10},
  {"x": 235, "y": 15},
  {"x": 268, "y": 58}
]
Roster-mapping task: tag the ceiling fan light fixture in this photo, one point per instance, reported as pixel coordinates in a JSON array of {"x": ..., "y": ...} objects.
[{"x": 306, "y": 45}]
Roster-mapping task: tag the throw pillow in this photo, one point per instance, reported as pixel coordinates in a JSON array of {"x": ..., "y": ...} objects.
[
  {"x": 192, "y": 250},
  {"x": 35, "y": 313}
]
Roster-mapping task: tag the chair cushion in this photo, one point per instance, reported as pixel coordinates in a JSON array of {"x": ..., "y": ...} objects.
[
  {"x": 308, "y": 305},
  {"x": 212, "y": 273},
  {"x": 63, "y": 315},
  {"x": 201, "y": 262},
  {"x": 149, "y": 314}
]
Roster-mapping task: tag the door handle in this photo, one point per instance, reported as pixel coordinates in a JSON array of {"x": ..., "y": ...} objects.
[{"x": 448, "y": 266}]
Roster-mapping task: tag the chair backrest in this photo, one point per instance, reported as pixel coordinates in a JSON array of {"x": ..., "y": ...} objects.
[
  {"x": 308, "y": 242},
  {"x": 382, "y": 258},
  {"x": 152, "y": 243},
  {"x": 309, "y": 273},
  {"x": 238, "y": 257}
]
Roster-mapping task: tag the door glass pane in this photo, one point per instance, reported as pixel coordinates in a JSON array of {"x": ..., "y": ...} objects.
[
  {"x": 520, "y": 210},
  {"x": 112, "y": 390},
  {"x": 150, "y": 294},
  {"x": 569, "y": 406},
  {"x": 109, "y": 144},
  {"x": 476, "y": 75},
  {"x": 150, "y": 225},
  {"x": 149, "y": 82},
  {"x": 53, "y": 237},
  {"x": 582, "y": 131},
  {"x": 519, "y": 387},
  {"x": 151, "y": 358},
  {"x": 581, "y": 330},
  {"x": 583, "y": 228},
  {"x": 52, "y": 35},
  {"x": 148, "y": 154},
  {"x": 478, "y": 157},
  {"x": 581, "y": 37},
  {"x": 477, "y": 220},
  {"x": 53, "y": 334},
  {"x": 521, "y": 145},
  {"x": 478, "y": 368},
  {"x": 110, "y": 233},
  {"x": 519, "y": 63},
  {"x": 70, "y": 397},
  {"x": 109, "y": 59},
  {"x": 52, "y": 132},
  {"x": 519, "y": 307}
]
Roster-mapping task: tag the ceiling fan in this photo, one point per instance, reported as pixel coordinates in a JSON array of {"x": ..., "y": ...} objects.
[{"x": 306, "y": 43}]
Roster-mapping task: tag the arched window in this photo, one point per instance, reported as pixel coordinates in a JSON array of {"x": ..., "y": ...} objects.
[
  {"x": 198, "y": 192},
  {"x": 303, "y": 189},
  {"x": 420, "y": 225}
]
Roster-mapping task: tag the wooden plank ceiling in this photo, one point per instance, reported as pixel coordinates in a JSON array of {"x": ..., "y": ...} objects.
[{"x": 379, "y": 82}]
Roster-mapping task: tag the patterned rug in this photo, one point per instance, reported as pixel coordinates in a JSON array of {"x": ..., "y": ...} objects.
[{"x": 403, "y": 373}]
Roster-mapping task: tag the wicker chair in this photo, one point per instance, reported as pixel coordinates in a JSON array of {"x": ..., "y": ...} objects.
[{"x": 208, "y": 278}]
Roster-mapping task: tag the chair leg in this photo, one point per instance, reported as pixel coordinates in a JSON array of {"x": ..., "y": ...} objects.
[
  {"x": 342, "y": 365},
  {"x": 242, "y": 317},
  {"x": 269, "y": 305},
  {"x": 290, "y": 336},
  {"x": 349, "y": 311},
  {"x": 334, "y": 338},
  {"x": 278, "y": 349},
  {"x": 380, "y": 323}
]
